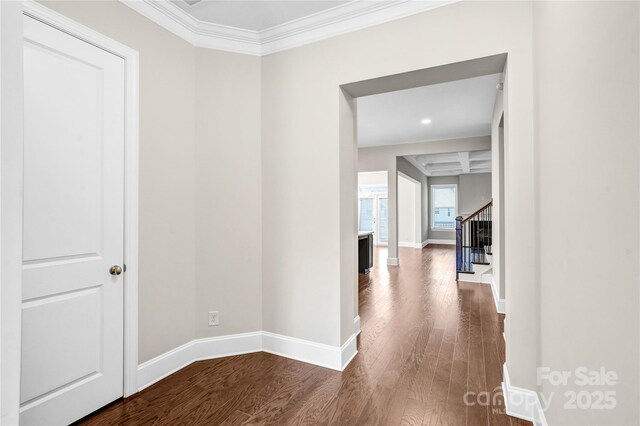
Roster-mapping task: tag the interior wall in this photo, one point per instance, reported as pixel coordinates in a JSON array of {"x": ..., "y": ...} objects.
[
  {"x": 588, "y": 126},
  {"x": 304, "y": 286},
  {"x": 200, "y": 172},
  {"x": 404, "y": 166},
  {"x": 300, "y": 119},
  {"x": 167, "y": 170},
  {"x": 406, "y": 212},
  {"x": 228, "y": 222},
  {"x": 497, "y": 193},
  {"x": 372, "y": 178},
  {"x": 474, "y": 191},
  {"x": 348, "y": 218}
]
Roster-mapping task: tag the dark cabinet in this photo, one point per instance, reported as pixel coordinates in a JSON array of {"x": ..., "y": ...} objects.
[{"x": 365, "y": 252}]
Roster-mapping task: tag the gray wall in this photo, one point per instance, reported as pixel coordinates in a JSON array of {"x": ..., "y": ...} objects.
[
  {"x": 474, "y": 191},
  {"x": 200, "y": 172},
  {"x": 497, "y": 188},
  {"x": 409, "y": 169}
]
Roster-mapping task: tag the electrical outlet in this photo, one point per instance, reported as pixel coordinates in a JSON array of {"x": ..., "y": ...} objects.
[{"x": 213, "y": 318}]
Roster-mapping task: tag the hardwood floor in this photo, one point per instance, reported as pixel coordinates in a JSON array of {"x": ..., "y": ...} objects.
[{"x": 425, "y": 342}]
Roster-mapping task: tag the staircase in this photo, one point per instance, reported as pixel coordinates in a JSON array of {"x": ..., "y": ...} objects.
[{"x": 473, "y": 246}]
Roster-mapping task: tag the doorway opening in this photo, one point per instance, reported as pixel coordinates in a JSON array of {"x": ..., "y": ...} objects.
[
  {"x": 410, "y": 211},
  {"x": 373, "y": 206},
  {"x": 438, "y": 155}
]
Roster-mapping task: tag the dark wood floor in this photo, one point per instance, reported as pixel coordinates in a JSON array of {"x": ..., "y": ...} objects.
[{"x": 426, "y": 341}]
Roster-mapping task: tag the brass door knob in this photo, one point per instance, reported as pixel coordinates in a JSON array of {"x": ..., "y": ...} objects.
[{"x": 115, "y": 270}]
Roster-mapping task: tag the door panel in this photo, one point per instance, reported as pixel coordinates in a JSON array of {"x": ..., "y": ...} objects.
[
  {"x": 383, "y": 220},
  {"x": 50, "y": 167},
  {"x": 72, "y": 342},
  {"x": 72, "y": 333},
  {"x": 366, "y": 221}
]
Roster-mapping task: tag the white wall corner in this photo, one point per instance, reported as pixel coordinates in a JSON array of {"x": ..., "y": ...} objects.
[
  {"x": 222, "y": 346},
  {"x": 393, "y": 261},
  {"x": 356, "y": 325},
  {"x": 333, "y": 357},
  {"x": 522, "y": 403},
  {"x": 348, "y": 351},
  {"x": 169, "y": 362},
  {"x": 500, "y": 303},
  {"x": 303, "y": 350},
  {"x": 156, "y": 369}
]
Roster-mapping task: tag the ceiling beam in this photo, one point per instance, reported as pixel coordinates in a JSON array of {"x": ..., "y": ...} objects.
[
  {"x": 442, "y": 166},
  {"x": 481, "y": 164},
  {"x": 417, "y": 164},
  {"x": 464, "y": 162}
]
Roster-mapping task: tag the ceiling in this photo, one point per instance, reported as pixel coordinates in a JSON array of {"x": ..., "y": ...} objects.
[
  {"x": 452, "y": 163},
  {"x": 457, "y": 109},
  {"x": 253, "y": 15},
  {"x": 261, "y": 27}
]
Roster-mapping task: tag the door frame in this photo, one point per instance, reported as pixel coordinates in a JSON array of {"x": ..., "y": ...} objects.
[
  {"x": 130, "y": 56},
  {"x": 375, "y": 196}
]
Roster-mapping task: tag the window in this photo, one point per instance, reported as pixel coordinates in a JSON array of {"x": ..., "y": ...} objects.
[{"x": 444, "y": 200}]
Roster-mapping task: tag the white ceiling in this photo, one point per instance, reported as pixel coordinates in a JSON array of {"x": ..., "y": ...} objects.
[
  {"x": 253, "y": 15},
  {"x": 452, "y": 163},
  {"x": 457, "y": 109},
  {"x": 261, "y": 27}
]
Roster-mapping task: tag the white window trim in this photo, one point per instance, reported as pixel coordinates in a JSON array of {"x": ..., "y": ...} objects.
[{"x": 433, "y": 208}]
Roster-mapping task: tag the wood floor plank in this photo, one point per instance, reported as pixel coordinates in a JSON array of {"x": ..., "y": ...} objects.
[{"x": 426, "y": 341}]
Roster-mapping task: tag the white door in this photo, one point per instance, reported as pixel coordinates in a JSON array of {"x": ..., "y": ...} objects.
[
  {"x": 72, "y": 310},
  {"x": 373, "y": 217},
  {"x": 382, "y": 219}
]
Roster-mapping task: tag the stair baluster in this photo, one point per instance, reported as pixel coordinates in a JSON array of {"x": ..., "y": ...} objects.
[{"x": 473, "y": 238}]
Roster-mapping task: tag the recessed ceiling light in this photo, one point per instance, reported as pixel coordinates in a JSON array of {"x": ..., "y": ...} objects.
[{"x": 426, "y": 121}]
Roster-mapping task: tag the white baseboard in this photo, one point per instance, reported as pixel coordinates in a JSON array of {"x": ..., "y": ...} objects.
[
  {"x": 393, "y": 261},
  {"x": 348, "y": 351},
  {"x": 424, "y": 243},
  {"x": 169, "y": 362},
  {"x": 500, "y": 303},
  {"x": 522, "y": 403},
  {"x": 333, "y": 357},
  {"x": 447, "y": 242},
  {"x": 356, "y": 325},
  {"x": 306, "y": 351},
  {"x": 410, "y": 244}
]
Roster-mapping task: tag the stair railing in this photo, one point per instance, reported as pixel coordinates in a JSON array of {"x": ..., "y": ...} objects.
[{"x": 473, "y": 238}]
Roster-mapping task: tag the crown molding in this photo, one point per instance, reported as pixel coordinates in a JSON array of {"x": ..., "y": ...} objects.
[
  {"x": 201, "y": 34},
  {"x": 351, "y": 16}
]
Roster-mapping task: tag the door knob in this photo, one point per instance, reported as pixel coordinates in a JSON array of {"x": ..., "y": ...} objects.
[{"x": 115, "y": 270}]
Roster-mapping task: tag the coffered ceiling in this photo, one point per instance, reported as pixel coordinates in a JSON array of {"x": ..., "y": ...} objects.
[{"x": 452, "y": 163}]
